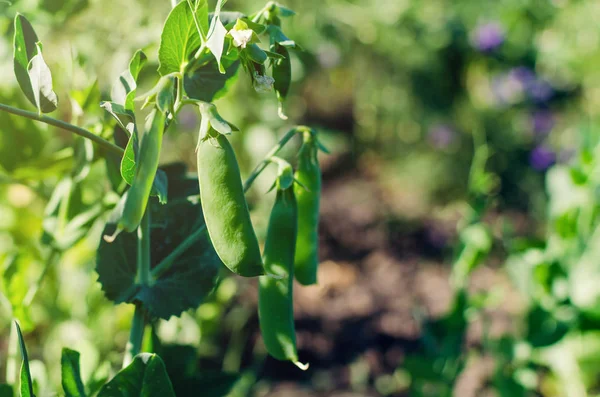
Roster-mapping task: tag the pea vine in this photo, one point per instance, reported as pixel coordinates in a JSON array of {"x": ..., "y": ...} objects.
[{"x": 169, "y": 237}]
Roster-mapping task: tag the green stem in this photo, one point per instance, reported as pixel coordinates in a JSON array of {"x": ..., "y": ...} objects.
[
  {"x": 111, "y": 147},
  {"x": 136, "y": 335},
  {"x": 263, "y": 164},
  {"x": 144, "y": 277},
  {"x": 167, "y": 262},
  {"x": 143, "y": 254}
]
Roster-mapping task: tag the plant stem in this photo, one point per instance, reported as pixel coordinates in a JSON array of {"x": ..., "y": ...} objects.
[
  {"x": 143, "y": 253},
  {"x": 111, "y": 147},
  {"x": 167, "y": 262},
  {"x": 144, "y": 277},
  {"x": 136, "y": 335},
  {"x": 263, "y": 164}
]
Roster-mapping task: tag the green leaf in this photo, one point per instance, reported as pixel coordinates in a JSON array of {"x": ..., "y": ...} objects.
[
  {"x": 32, "y": 73},
  {"x": 26, "y": 380},
  {"x": 276, "y": 35},
  {"x": 179, "y": 38},
  {"x": 71, "y": 374},
  {"x": 255, "y": 53},
  {"x": 41, "y": 83},
  {"x": 282, "y": 73},
  {"x": 192, "y": 275},
  {"x": 160, "y": 186},
  {"x": 123, "y": 90},
  {"x": 212, "y": 384},
  {"x": 146, "y": 376},
  {"x": 6, "y": 390},
  {"x": 201, "y": 16},
  {"x": 207, "y": 83}
]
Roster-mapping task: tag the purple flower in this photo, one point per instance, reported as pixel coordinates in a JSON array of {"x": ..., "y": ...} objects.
[
  {"x": 540, "y": 90},
  {"x": 542, "y": 122},
  {"x": 441, "y": 136},
  {"x": 488, "y": 37},
  {"x": 541, "y": 158}
]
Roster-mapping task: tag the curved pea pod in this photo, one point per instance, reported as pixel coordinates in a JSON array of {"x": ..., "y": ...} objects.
[
  {"x": 308, "y": 190},
  {"x": 141, "y": 186},
  {"x": 275, "y": 304},
  {"x": 224, "y": 206}
]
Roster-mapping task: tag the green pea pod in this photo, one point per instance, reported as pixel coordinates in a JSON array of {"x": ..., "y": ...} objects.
[
  {"x": 224, "y": 205},
  {"x": 275, "y": 300},
  {"x": 147, "y": 165},
  {"x": 282, "y": 73},
  {"x": 308, "y": 190}
]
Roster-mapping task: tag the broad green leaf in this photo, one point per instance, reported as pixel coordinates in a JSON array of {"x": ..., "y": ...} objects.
[
  {"x": 191, "y": 277},
  {"x": 146, "y": 376},
  {"x": 123, "y": 90},
  {"x": 179, "y": 38},
  {"x": 207, "y": 83},
  {"x": 200, "y": 13},
  {"x": 32, "y": 73},
  {"x": 26, "y": 380},
  {"x": 6, "y": 390},
  {"x": 24, "y": 49},
  {"x": 71, "y": 374}
]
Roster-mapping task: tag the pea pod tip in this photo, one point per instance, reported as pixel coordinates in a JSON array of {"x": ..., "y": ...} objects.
[{"x": 303, "y": 367}]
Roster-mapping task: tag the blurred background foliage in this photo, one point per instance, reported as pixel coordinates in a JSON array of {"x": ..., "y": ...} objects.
[{"x": 406, "y": 93}]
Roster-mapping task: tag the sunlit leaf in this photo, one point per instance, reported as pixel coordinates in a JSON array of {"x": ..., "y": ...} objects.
[{"x": 145, "y": 377}]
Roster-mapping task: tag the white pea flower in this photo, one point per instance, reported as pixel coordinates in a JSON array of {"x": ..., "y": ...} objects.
[
  {"x": 241, "y": 37},
  {"x": 262, "y": 83}
]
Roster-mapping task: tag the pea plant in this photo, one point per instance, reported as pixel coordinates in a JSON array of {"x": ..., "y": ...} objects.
[{"x": 168, "y": 236}]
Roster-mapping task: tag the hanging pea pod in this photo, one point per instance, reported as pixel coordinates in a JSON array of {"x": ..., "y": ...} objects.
[
  {"x": 275, "y": 298},
  {"x": 223, "y": 202},
  {"x": 138, "y": 194},
  {"x": 308, "y": 191}
]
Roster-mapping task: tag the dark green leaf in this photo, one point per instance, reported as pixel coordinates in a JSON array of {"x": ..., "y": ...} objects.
[
  {"x": 179, "y": 38},
  {"x": 144, "y": 377},
  {"x": 207, "y": 83},
  {"x": 31, "y": 71},
  {"x": 191, "y": 277},
  {"x": 276, "y": 35},
  {"x": 282, "y": 72},
  {"x": 6, "y": 390},
  {"x": 255, "y": 53},
  {"x": 71, "y": 374},
  {"x": 212, "y": 384},
  {"x": 160, "y": 186},
  {"x": 26, "y": 380},
  {"x": 123, "y": 90}
]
